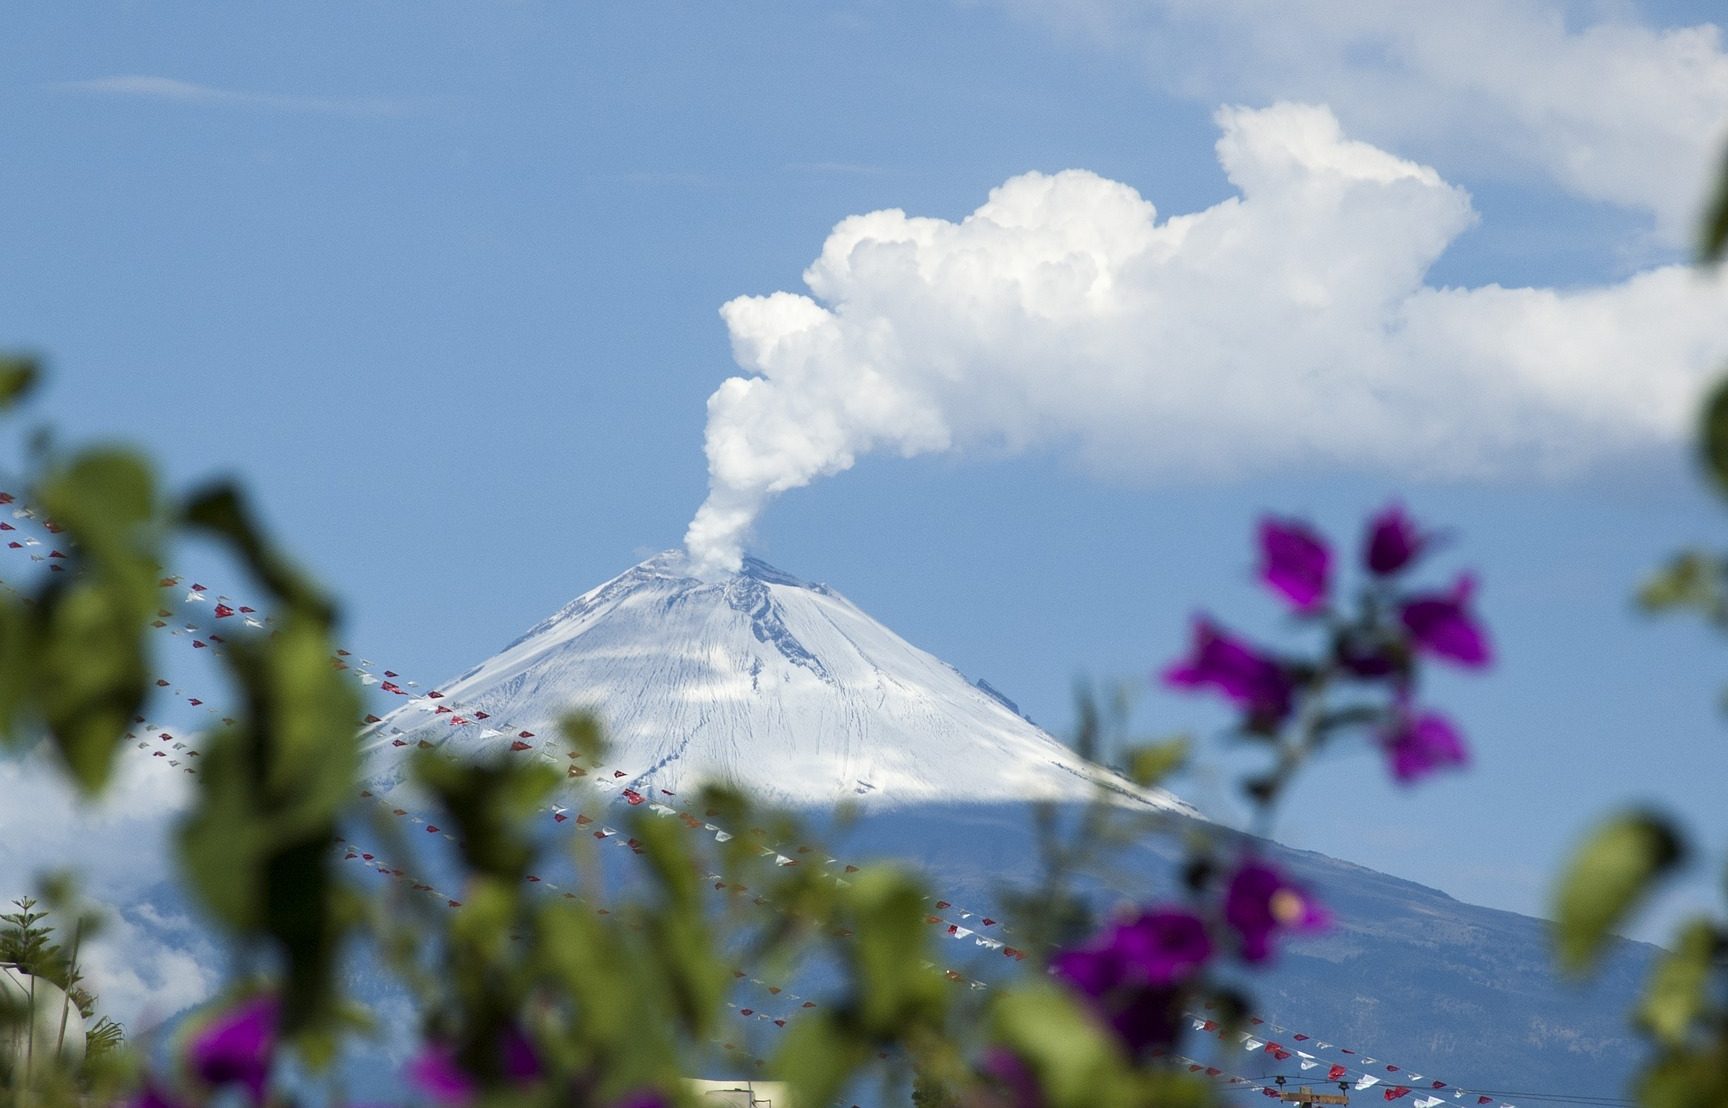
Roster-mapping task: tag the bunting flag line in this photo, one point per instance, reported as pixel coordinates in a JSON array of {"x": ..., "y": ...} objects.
[{"x": 199, "y": 599}]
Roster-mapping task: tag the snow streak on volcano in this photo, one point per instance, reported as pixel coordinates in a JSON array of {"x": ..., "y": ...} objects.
[{"x": 755, "y": 679}]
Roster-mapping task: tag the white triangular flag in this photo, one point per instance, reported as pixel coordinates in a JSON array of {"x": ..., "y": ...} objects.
[{"x": 1367, "y": 1081}]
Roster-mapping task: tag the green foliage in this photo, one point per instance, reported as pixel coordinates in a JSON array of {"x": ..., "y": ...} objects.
[
  {"x": 1713, "y": 437},
  {"x": 1076, "y": 1062},
  {"x": 1713, "y": 231},
  {"x": 1153, "y": 763},
  {"x": 274, "y": 785},
  {"x": 1607, "y": 879},
  {"x": 27, "y": 941},
  {"x": 18, "y": 375},
  {"x": 1678, "y": 990},
  {"x": 81, "y": 657},
  {"x": 1686, "y": 1079},
  {"x": 103, "y": 1039}
]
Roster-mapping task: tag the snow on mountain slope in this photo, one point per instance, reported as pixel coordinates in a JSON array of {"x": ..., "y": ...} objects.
[{"x": 755, "y": 679}]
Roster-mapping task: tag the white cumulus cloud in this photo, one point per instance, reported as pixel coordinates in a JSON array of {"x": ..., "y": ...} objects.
[
  {"x": 1593, "y": 98},
  {"x": 1291, "y": 324}
]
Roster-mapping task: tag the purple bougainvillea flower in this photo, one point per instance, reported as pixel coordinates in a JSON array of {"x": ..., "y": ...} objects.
[
  {"x": 152, "y": 1095},
  {"x": 521, "y": 1064},
  {"x": 1419, "y": 744},
  {"x": 1133, "y": 971},
  {"x": 1146, "y": 1019},
  {"x": 1160, "y": 947},
  {"x": 1393, "y": 541},
  {"x": 235, "y": 1047},
  {"x": 1163, "y": 947},
  {"x": 1442, "y": 625},
  {"x": 1260, "y": 902},
  {"x": 645, "y": 1098},
  {"x": 436, "y": 1073},
  {"x": 1012, "y": 1078},
  {"x": 1248, "y": 678},
  {"x": 1295, "y": 562}
]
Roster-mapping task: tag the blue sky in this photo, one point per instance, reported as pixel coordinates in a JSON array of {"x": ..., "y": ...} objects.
[{"x": 443, "y": 285}]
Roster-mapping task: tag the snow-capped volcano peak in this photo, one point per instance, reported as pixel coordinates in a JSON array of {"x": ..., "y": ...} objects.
[{"x": 758, "y": 679}]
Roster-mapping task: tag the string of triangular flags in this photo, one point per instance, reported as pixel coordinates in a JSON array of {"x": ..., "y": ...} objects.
[
  {"x": 1395, "y": 1082},
  {"x": 224, "y": 607}
]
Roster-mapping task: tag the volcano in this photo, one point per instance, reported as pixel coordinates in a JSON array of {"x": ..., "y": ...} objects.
[{"x": 762, "y": 681}]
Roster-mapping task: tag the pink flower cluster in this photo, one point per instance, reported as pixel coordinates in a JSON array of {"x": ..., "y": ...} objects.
[{"x": 1384, "y": 642}]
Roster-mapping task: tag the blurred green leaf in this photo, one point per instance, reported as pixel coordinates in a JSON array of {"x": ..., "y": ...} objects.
[
  {"x": 587, "y": 741},
  {"x": 1077, "y": 1064},
  {"x": 1152, "y": 764},
  {"x": 91, "y": 673},
  {"x": 16, "y": 664},
  {"x": 1693, "y": 579},
  {"x": 1678, "y": 986},
  {"x": 88, "y": 645},
  {"x": 1686, "y": 1079},
  {"x": 1606, "y": 879},
  {"x": 272, "y": 787},
  {"x": 1713, "y": 436},
  {"x": 697, "y": 979},
  {"x": 1713, "y": 234},
  {"x": 896, "y": 985},
  {"x": 18, "y": 375},
  {"x": 106, "y": 499},
  {"x": 818, "y": 1057}
]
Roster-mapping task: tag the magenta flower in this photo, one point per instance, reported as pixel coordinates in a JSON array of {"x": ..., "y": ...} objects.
[
  {"x": 235, "y": 1047},
  {"x": 436, "y": 1073},
  {"x": 1418, "y": 745},
  {"x": 1159, "y": 947},
  {"x": 152, "y": 1095},
  {"x": 1260, "y": 902},
  {"x": 1393, "y": 541},
  {"x": 1442, "y": 625},
  {"x": 521, "y": 1064},
  {"x": 1248, "y": 678},
  {"x": 1133, "y": 973},
  {"x": 1009, "y": 1074},
  {"x": 1295, "y": 561}
]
